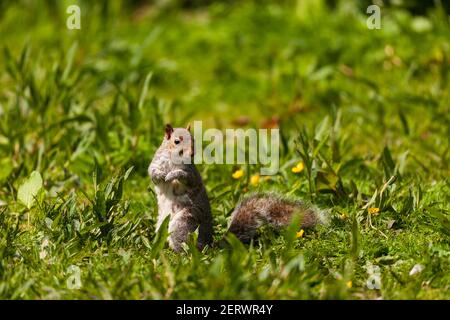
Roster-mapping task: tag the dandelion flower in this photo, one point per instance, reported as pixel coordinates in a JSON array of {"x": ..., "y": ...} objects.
[
  {"x": 299, "y": 167},
  {"x": 238, "y": 174},
  {"x": 300, "y": 233},
  {"x": 254, "y": 179},
  {"x": 374, "y": 211},
  {"x": 349, "y": 284}
]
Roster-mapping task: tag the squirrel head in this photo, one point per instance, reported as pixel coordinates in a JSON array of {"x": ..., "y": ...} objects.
[{"x": 180, "y": 143}]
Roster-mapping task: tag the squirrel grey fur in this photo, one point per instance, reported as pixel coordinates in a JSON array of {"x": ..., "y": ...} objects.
[{"x": 181, "y": 195}]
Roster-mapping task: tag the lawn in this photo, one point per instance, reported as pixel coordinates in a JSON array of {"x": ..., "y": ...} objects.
[{"x": 82, "y": 112}]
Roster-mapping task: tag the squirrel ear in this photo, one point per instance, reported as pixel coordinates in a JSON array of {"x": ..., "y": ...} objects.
[
  {"x": 169, "y": 130},
  {"x": 188, "y": 128}
]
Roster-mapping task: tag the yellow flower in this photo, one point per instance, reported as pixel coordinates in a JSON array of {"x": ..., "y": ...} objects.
[
  {"x": 299, "y": 167},
  {"x": 349, "y": 284},
  {"x": 254, "y": 179},
  {"x": 238, "y": 174},
  {"x": 300, "y": 233},
  {"x": 343, "y": 216},
  {"x": 374, "y": 211}
]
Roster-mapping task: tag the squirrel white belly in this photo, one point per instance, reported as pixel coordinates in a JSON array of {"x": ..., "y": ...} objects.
[{"x": 181, "y": 195}]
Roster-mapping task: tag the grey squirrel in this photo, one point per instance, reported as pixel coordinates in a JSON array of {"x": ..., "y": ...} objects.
[{"x": 181, "y": 194}]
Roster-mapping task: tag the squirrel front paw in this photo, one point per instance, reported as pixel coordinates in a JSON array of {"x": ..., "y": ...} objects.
[
  {"x": 176, "y": 174},
  {"x": 157, "y": 175}
]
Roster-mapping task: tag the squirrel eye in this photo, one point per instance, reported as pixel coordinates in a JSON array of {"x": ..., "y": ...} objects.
[{"x": 177, "y": 141}]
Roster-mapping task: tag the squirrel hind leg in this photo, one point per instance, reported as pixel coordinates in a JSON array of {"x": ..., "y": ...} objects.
[
  {"x": 183, "y": 224},
  {"x": 179, "y": 229}
]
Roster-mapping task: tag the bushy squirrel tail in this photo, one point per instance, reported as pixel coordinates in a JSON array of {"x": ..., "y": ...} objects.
[{"x": 274, "y": 209}]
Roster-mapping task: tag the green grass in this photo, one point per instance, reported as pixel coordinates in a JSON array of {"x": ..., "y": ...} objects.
[{"x": 367, "y": 111}]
